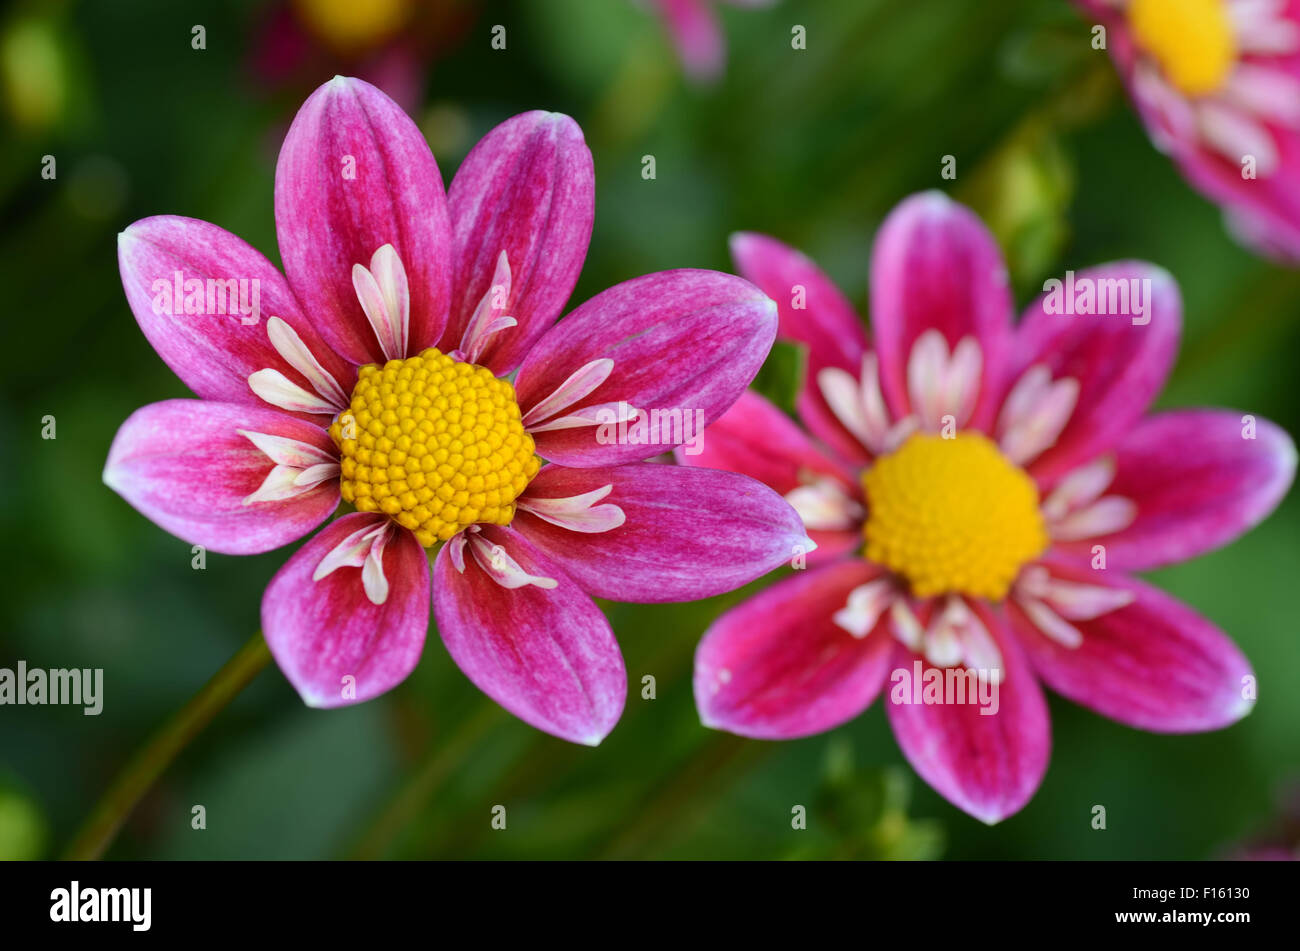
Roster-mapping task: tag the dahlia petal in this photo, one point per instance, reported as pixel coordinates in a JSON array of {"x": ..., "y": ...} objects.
[
  {"x": 755, "y": 438},
  {"x": 343, "y": 636},
  {"x": 1235, "y": 134},
  {"x": 489, "y": 317},
  {"x": 526, "y": 190},
  {"x": 778, "y": 666},
  {"x": 1119, "y": 365},
  {"x": 1079, "y": 602},
  {"x": 866, "y": 605},
  {"x": 1267, "y": 93},
  {"x": 1080, "y": 487},
  {"x": 355, "y": 174},
  {"x": 683, "y": 342},
  {"x": 290, "y": 345},
  {"x": 581, "y": 382},
  {"x": 275, "y": 389},
  {"x": 211, "y": 348},
  {"x": 385, "y": 299},
  {"x": 498, "y": 565},
  {"x": 547, "y": 656},
  {"x": 988, "y": 765},
  {"x": 1109, "y": 514},
  {"x": 825, "y": 506},
  {"x": 1154, "y": 664},
  {"x": 687, "y": 533},
  {"x": 1049, "y": 622},
  {"x": 936, "y": 267},
  {"x": 188, "y": 467},
  {"x": 941, "y": 384},
  {"x": 586, "y": 417},
  {"x": 285, "y": 451},
  {"x": 906, "y": 626},
  {"x": 1035, "y": 414},
  {"x": 1196, "y": 481},
  {"x": 577, "y": 513},
  {"x": 812, "y": 311}
]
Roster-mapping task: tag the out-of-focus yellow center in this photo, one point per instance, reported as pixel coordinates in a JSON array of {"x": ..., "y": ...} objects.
[
  {"x": 1192, "y": 40},
  {"x": 436, "y": 444},
  {"x": 350, "y": 26},
  {"x": 952, "y": 515}
]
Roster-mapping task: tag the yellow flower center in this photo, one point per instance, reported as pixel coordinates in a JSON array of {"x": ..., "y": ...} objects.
[
  {"x": 1192, "y": 40},
  {"x": 349, "y": 26},
  {"x": 952, "y": 515},
  {"x": 436, "y": 444}
]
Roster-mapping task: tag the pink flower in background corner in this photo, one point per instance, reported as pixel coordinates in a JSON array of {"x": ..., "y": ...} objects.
[
  {"x": 374, "y": 369},
  {"x": 979, "y": 492},
  {"x": 392, "y": 44},
  {"x": 694, "y": 29},
  {"x": 1217, "y": 83}
]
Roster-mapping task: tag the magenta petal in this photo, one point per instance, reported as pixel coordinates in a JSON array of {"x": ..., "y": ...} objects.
[
  {"x": 1154, "y": 664},
  {"x": 528, "y": 189},
  {"x": 986, "y": 765},
  {"x": 811, "y": 309},
  {"x": 546, "y": 655},
  {"x": 695, "y": 32},
  {"x": 757, "y": 439},
  {"x": 213, "y": 351},
  {"x": 685, "y": 340},
  {"x": 812, "y": 312},
  {"x": 936, "y": 266},
  {"x": 688, "y": 533},
  {"x": 778, "y": 666},
  {"x": 184, "y": 465},
  {"x": 334, "y": 645},
  {"x": 354, "y": 175},
  {"x": 1120, "y": 366},
  {"x": 1198, "y": 483}
]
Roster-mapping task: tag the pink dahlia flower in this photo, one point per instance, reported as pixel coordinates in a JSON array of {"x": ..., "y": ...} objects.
[
  {"x": 1217, "y": 83},
  {"x": 694, "y": 29},
  {"x": 376, "y": 367},
  {"x": 979, "y": 493}
]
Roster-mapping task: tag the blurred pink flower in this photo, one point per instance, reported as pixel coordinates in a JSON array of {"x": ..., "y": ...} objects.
[
  {"x": 967, "y": 481},
  {"x": 338, "y": 392},
  {"x": 1217, "y": 83},
  {"x": 694, "y": 29},
  {"x": 389, "y": 43}
]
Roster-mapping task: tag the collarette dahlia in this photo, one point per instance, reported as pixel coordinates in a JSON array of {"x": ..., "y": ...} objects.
[
  {"x": 380, "y": 374},
  {"x": 1217, "y": 83},
  {"x": 979, "y": 493}
]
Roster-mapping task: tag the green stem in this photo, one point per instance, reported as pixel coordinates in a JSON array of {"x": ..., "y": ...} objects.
[{"x": 154, "y": 757}]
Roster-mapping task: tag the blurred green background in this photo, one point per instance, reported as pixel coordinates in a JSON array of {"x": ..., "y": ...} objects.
[{"x": 812, "y": 146}]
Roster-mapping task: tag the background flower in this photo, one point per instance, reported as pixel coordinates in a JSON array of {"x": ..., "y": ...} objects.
[
  {"x": 1217, "y": 83},
  {"x": 979, "y": 494}
]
